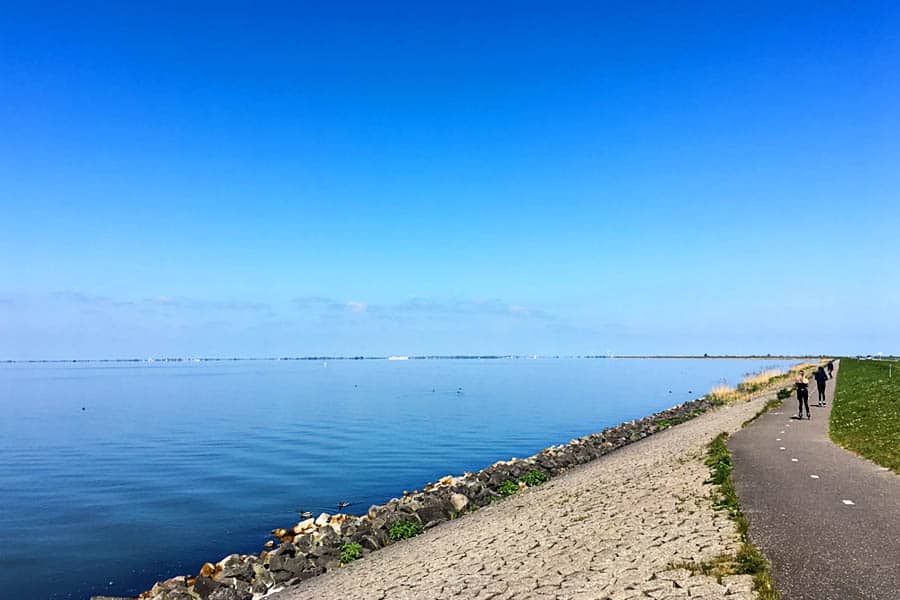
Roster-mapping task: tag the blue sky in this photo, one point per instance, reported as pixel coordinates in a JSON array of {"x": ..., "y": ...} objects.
[{"x": 378, "y": 178}]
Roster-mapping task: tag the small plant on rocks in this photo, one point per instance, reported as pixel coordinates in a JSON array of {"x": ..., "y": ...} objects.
[
  {"x": 508, "y": 488},
  {"x": 534, "y": 478},
  {"x": 350, "y": 552},
  {"x": 402, "y": 530},
  {"x": 678, "y": 419}
]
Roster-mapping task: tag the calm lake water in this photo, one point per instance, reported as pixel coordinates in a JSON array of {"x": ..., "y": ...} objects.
[{"x": 170, "y": 465}]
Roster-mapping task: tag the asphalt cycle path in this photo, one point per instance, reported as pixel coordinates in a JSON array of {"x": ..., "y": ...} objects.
[{"x": 827, "y": 519}]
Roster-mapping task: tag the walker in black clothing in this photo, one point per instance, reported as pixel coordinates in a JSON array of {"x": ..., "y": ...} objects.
[
  {"x": 821, "y": 384},
  {"x": 802, "y": 397}
]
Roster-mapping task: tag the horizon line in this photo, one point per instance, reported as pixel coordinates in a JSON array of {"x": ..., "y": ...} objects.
[{"x": 165, "y": 359}]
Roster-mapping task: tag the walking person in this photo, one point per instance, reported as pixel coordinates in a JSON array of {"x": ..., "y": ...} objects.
[
  {"x": 802, "y": 384},
  {"x": 821, "y": 384},
  {"x": 830, "y": 369}
]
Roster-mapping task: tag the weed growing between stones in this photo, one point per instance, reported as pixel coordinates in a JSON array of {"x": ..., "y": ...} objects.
[
  {"x": 455, "y": 514},
  {"x": 402, "y": 530},
  {"x": 748, "y": 560},
  {"x": 719, "y": 567},
  {"x": 718, "y": 460},
  {"x": 678, "y": 420},
  {"x": 350, "y": 552},
  {"x": 508, "y": 488},
  {"x": 530, "y": 479},
  {"x": 533, "y": 478}
]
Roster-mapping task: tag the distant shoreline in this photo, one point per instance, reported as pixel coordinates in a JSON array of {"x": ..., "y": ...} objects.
[{"x": 421, "y": 357}]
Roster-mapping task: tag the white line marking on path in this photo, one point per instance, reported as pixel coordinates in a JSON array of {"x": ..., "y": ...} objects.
[
  {"x": 848, "y": 502},
  {"x": 795, "y": 460},
  {"x": 777, "y": 439},
  {"x": 814, "y": 476},
  {"x": 781, "y": 447}
]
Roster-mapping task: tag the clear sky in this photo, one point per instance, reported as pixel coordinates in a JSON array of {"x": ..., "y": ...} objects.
[{"x": 264, "y": 179}]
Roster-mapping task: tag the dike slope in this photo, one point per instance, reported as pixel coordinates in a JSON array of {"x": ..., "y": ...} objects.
[{"x": 609, "y": 529}]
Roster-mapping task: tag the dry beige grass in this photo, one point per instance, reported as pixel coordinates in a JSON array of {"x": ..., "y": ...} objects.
[
  {"x": 753, "y": 383},
  {"x": 762, "y": 378},
  {"x": 758, "y": 381},
  {"x": 807, "y": 366},
  {"x": 722, "y": 394}
]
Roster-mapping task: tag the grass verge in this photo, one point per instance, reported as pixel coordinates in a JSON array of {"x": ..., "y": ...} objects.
[
  {"x": 748, "y": 560},
  {"x": 773, "y": 403},
  {"x": 865, "y": 417}
]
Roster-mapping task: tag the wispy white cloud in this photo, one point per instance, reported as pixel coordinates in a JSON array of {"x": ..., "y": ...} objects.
[
  {"x": 317, "y": 303},
  {"x": 79, "y": 298},
  {"x": 424, "y": 307},
  {"x": 517, "y": 309},
  {"x": 357, "y": 307},
  {"x": 453, "y": 309},
  {"x": 181, "y": 302},
  {"x": 75, "y": 298}
]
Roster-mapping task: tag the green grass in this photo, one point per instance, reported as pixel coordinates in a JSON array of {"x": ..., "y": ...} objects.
[
  {"x": 748, "y": 560},
  {"x": 508, "y": 488},
  {"x": 402, "y": 530},
  {"x": 530, "y": 479},
  {"x": 774, "y": 403},
  {"x": 666, "y": 423},
  {"x": 866, "y": 413},
  {"x": 718, "y": 459},
  {"x": 533, "y": 478}
]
